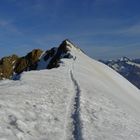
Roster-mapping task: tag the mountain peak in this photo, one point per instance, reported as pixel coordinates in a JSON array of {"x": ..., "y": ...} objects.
[
  {"x": 37, "y": 60},
  {"x": 124, "y": 58},
  {"x": 67, "y": 43}
]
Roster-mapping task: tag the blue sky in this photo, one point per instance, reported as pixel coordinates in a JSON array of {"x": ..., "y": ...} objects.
[{"x": 104, "y": 29}]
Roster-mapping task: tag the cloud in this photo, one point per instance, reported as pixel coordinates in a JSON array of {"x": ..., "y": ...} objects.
[
  {"x": 3, "y": 23},
  {"x": 111, "y": 52},
  {"x": 108, "y": 27},
  {"x": 133, "y": 30},
  {"x": 45, "y": 8},
  {"x": 8, "y": 26}
]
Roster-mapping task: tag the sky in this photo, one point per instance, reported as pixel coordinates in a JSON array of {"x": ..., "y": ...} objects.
[{"x": 104, "y": 29}]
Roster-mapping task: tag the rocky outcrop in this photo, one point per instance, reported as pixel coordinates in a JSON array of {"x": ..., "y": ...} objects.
[
  {"x": 14, "y": 65},
  {"x": 7, "y": 65},
  {"x": 61, "y": 52},
  {"x": 28, "y": 62},
  {"x": 21, "y": 65}
]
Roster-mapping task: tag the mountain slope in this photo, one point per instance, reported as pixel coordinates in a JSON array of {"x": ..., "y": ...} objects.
[
  {"x": 128, "y": 68},
  {"x": 81, "y": 100}
]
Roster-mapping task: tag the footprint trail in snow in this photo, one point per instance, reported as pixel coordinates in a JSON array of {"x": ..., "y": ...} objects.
[{"x": 77, "y": 133}]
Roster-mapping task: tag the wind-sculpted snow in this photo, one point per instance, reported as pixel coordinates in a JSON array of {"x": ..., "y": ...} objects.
[{"x": 80, "y": 100}]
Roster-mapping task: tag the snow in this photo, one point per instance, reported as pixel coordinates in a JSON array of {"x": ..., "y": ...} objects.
[
  {"x": 81, "y": 100},
  {"x": 109, "y": 103},
  {"x": 42, "y": 64},
  {"x": 134, "y": 64}
]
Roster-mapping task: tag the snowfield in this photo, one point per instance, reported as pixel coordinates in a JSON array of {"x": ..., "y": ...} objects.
[{"x": 81, "y": 100}]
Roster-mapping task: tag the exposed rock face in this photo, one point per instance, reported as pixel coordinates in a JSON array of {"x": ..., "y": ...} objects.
[
  {"x": 50, "y": 59},
  {"x": 7, "y": 66},
  {"x": 33, "y": 58},
  {"x": 61, "y": 52},
  {"x": 28, "y": 62},
  {"x": 14, "y": 64},
  {"x": 21, "y": 65}
]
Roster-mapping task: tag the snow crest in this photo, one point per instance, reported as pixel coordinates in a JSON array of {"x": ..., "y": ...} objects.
[{"x": 81, "y": 100}]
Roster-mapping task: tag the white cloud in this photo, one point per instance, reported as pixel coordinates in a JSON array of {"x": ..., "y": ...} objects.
[
  {"x": 4, "y": 23},
  {"x": 132, "y": 30}
]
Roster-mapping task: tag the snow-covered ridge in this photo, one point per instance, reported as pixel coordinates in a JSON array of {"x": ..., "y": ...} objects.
[
  {"x": 82, "y": 99},
  {"x": 13, "y": 66}
]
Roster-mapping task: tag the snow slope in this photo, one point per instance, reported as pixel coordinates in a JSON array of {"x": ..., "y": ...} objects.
[{"x": 81, "y": 100}]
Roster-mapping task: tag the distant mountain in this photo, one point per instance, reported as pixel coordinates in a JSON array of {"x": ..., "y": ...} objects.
[{"x": 129, "y": 68}]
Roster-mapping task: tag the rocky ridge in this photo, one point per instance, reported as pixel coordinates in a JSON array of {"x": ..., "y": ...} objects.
[{"x": 35, "y": 60}]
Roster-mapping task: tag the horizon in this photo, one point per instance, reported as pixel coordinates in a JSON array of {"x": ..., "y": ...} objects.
[
  {"x": 103, "y": 29},
  {"x": 114, "y": 58}
]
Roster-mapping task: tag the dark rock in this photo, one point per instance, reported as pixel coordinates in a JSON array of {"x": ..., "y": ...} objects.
[
  {"x": 21, "y": 65},
  {"x": 50, "y": 53},
  {"x": 13, "y": 66},
  {"x": 62, "y": 49},
  {"x": 33, "y": 58}
]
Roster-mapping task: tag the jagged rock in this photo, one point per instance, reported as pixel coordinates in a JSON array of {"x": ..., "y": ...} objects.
[
  {"x": 9, "y": 59},
  {"x": 29, "y": 62},
  {"x": 14, "y": 65},
  {"x": 62, "y": 49},
  {"x": 21, "y": 65},
  {"x": 49, "y": 53},
  {"x": 6, "y": 66},
  {"x": 33, "y": 58}
]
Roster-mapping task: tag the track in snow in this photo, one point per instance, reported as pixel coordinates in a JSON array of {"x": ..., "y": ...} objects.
[{"x": 76, "y": 114}]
